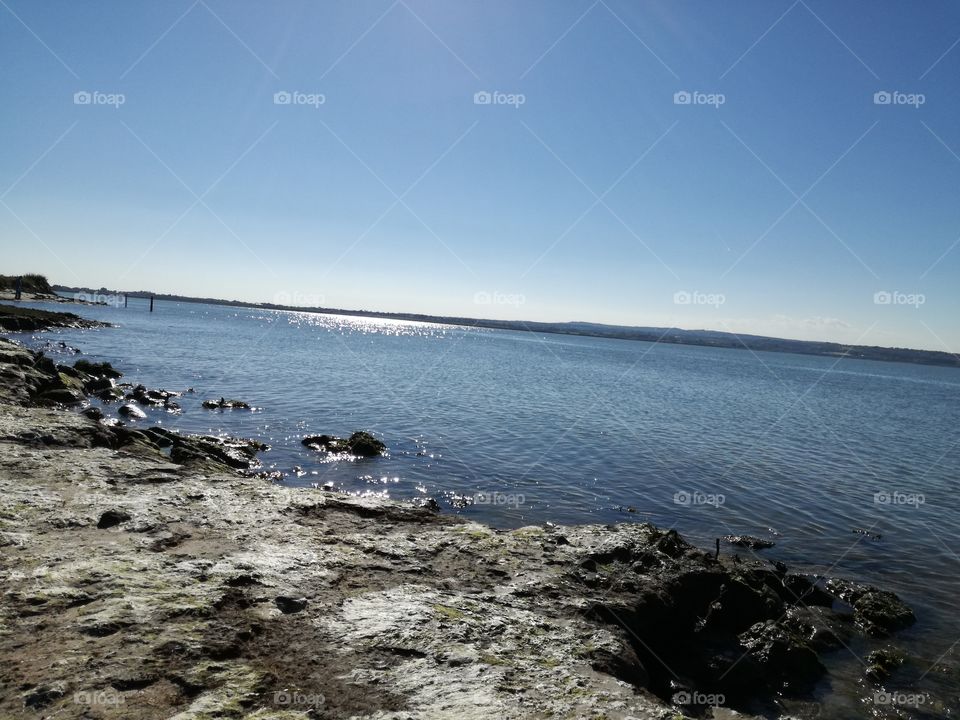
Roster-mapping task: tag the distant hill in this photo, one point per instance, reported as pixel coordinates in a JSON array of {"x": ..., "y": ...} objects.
[
  {"x": 706, "y": 338},
  {"x": 31, "y": 284}
]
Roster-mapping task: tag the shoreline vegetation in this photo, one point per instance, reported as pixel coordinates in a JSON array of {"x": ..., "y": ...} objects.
[
  {"x": 672, "y": 336},
  {"x": 151, "y": 574}
]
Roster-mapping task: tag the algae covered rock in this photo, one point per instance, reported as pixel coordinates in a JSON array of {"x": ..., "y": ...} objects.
[{"x": 359, "y": 443}]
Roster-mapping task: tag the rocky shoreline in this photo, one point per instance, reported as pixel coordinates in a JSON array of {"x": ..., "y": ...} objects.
[{"x": 153, "y": 575}]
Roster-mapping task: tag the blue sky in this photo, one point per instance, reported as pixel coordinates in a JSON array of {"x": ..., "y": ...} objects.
[{"x": 780, "y": 200}]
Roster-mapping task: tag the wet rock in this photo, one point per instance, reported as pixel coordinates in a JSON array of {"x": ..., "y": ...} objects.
[
  {"x": 289, "y": 605},
  {"x": 131, "y": 411},
  {"x": 783, "y": 657},
  {"x": 94, "y": 413},
  {"x": 224, "y": 404},
  {"x": 156, "y": 398},
  {"x": 748, "y": 541},
  {"x": 877, "y": 612},
  {"x": 102, "y": 369},
  {"x": 881, "y": 663},
  {"x": 359, "y": 443}
]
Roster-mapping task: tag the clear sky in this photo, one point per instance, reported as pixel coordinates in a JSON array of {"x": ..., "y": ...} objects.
[{"x": 781, "y": 199}]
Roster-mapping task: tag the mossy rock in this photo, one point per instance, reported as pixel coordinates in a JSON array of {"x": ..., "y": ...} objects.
[{"x": 359, "y": 443}]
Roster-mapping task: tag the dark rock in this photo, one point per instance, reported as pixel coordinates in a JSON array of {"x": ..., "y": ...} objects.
[
  {"x": 881, "y": 663},
  {"x": 290, "y": 605},
  {"x": 103, "y": 369},
  {"x": 224, "y": 404},
  {"x": 785, "y": 660},
  {"x": 95, "y": 385},
  {"x": 42, "y": 696},
  {"x": 877, "y": 612},
  {"x": 94, "y": 413},
  {"x": 62, "y": 396},
  {"x": 748, "y": 541},
  {"x": 359, "y": 443},
  {"x": 112, "y": 518}
]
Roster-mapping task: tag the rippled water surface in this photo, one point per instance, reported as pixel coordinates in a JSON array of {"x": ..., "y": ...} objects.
[{"x": 803, "y": 450}]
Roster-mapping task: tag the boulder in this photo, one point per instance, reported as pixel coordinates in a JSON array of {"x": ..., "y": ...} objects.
[{"x": 132, "y": 411}]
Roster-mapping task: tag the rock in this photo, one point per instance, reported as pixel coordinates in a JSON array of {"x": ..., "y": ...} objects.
[
  {"x": 61, "y": 396},
  {"x": 98, "y": 384},
  {"x": 359, "y": 443},
  {"x": 103, "y": 369},
  {"x": 40, "y": 697},
  {"x": 131, "y": 411},
  {"x": 881, "y": 663},
  {"x": 877, "y": 612},
  {"x": 112, "y": 518},
  {"x": 749, "y": 541},
  {"x": 288, "y": 605},
  {"x": 224, "y": 404},
  {"x": 783, "y": 657},
  {"x": 94, "y": 413},
  {"x": 151, "y": 397}
]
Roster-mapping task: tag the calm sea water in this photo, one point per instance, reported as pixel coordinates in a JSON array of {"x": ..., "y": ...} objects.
[{"x": 533, "y": 428}]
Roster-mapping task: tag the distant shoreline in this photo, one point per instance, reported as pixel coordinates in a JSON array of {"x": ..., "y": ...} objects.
[{"x": 671, "y": 336}]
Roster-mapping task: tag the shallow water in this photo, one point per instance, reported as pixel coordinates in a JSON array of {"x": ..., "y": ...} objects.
[{"x": 536, "y": 428}]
